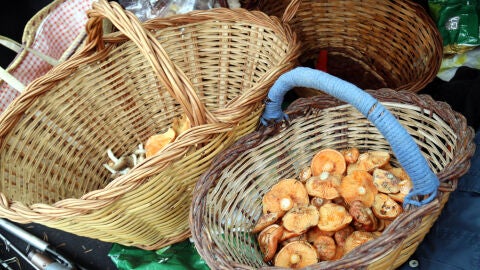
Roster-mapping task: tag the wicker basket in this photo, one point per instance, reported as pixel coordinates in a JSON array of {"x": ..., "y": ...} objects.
[
  {"x": 371, "y": 43},
  {"x": 215, "y": 66},
  {"x": 428, "y": 134}
]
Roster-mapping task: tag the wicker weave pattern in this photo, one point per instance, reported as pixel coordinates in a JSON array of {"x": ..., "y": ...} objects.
[
  {"x": 215, "y": 66},
  {"x": 227, "y": 199},
  {"x": 371, "y": 43}
]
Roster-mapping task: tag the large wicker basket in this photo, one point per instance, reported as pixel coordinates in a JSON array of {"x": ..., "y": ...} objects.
[
  {"x": 121, "y": 88},
  {"x": 428, "y": 139},
  {"x": 371, "y": 43}
]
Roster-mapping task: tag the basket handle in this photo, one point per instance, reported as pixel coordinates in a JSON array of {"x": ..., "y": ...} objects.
[
  {"x": 291, "y": 10},
  {"x": 176, "y": 82},
  {"x": 17, "y": 47},
  {"x": 425, "y": 182}
]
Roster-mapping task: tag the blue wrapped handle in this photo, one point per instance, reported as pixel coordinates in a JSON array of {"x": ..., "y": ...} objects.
[{"x": 425, "y": 182}]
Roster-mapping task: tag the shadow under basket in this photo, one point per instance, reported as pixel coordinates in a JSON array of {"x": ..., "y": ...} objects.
[{"x": 228, "y": 197}]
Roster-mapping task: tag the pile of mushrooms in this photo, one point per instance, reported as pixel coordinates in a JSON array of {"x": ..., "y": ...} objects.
[{"x": 341, "y": 201}]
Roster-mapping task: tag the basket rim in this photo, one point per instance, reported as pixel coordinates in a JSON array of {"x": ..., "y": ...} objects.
[{"x": 396, "y": 231}]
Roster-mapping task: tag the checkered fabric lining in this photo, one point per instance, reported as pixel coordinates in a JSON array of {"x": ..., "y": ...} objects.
[{"x": 54, "y": 36}]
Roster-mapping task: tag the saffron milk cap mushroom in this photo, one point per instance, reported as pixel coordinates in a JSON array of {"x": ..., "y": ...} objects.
[
  {"x": 296, "y": 254},
  {"x": 358, "y": 186},
  {"x": 370, "y": 160},
  {"x": 333, "y": 217},
  {"x": 328, "y": 160},
  {"x": 299, "y": 219},
  {"x": 157, "y": 142},
  {"x": 323, "y": 186},
  {"x": 285, "y": 195},
  {"x": 268, "y": 240}
]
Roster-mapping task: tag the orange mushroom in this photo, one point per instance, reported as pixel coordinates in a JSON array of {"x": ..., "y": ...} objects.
[
  {"x": 268, "y": 240},
  {"x": 323, "y": 186},
  {"x": 285, "y": 195},
  {"x": 265, "y": 221},
  {"x": 369, "y": 161},
  {"x": 405, "y": 184},
  {"x": 325, "y": 246},
  {"x": 341, "y": 235},
  {"x": 157, "y": 142},
  {"x": 287, "y": 235},
  {"x": 328, "y": 160},
  {"x": 305, "y": 174},
  {"x": 385, "y": 207},
  {"x": 300, "y": 219},
  {"x": 351, "y": 155},
  {"x": 364, "y": 219},
  {"x": 358, "y": 186},
  {"x": 385, "y": 181},
  {"x": 296, "y": 254},
  {"x": 181, "y": 124},
  {"x": 405, "y": 187},
  {"x": 358, "y": 238},
  {"x": 300, "y": 237},
  {"x": 333, "y": 217}
]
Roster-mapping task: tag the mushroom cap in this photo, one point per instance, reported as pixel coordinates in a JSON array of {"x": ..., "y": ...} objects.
[
  {"x": 333, "y": 217},
  {"x": 358, "y": 186},
  {"x": 351, "y": 155},
  {"x": 358, "y": 238},
  {"x": 181, "y": 124},
  {"x": 405, "y": 186},
  {"x": 268, "y": 240},
  {"x": 301, "y": 237},
  {"x": 385, "y": 207},
  {"x": 300, "y": 219},
  {"x": 341, "y": 235},
  {"x": 325, "y": 246},
  {"x": 369, "y": 161},
  {"x": 265, "y": 221},
  {"x": 385, "y": 181},
  {"x": 157, "y": 142},
  {"x": 315, "y": 232},
  {"x": 323, "y": 186},
  {"x": 399, "y": 172},
  {"x": 287, "y": 192},
  {"x": 328, "y": 160},
  {"x": 305, "y": 174},
  {"x": 296, "y": 254},
  {"x": 289, "y": 235},
  {"x": 365, "y": 219}
]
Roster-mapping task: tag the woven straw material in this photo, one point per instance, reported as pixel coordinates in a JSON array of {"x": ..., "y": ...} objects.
[
  {"x": 371, "y": 43},
  {"x": 228, "y": 197},
  {"x": 215, "y": 66}
]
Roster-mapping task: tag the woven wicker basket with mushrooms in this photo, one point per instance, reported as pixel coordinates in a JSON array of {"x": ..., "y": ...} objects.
[{"x": 342, "y": 200}]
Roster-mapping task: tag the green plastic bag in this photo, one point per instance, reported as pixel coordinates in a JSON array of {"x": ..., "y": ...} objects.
[
  {"x": 458, "y": 24},
  {"x": 178, "y": 256}
]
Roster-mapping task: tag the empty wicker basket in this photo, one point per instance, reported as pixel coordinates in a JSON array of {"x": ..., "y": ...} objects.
[
  {"x": 427, "y": 138},
  {"x": 214, "y": 66},
  {"x": 371, "y": 43}
]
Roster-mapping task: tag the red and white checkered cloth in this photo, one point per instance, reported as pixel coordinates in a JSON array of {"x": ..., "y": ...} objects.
[{"x": 56, "y": 33}]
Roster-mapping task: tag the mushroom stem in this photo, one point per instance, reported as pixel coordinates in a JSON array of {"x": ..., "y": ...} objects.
[
  {"x": 112, "y": 156},
  {"x": 294, "y": 259}
]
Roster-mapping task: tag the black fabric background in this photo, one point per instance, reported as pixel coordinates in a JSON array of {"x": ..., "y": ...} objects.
[{"x": 462, "y": 93}]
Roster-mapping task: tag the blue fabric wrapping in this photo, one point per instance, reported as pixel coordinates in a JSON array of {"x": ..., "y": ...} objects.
[{"x": 403, "y": 146}]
